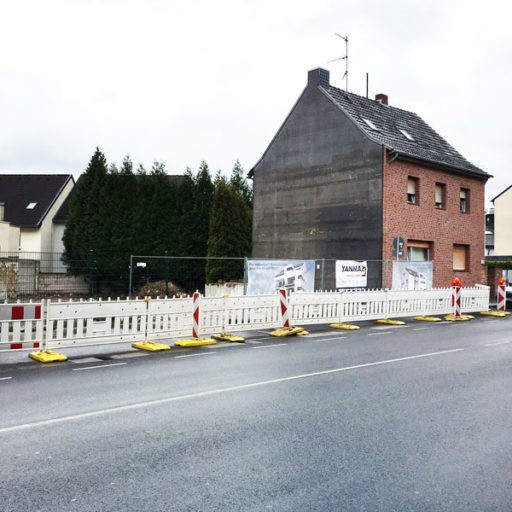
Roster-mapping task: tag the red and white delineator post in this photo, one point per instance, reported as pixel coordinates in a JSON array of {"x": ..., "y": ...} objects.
[
  {"x": 195, "y": 341},
  {"x": 501, "y": 293},
  {"x": 195, "y": 315},
  {"x": 283, "y": 298},
  {"x": 456, "y": 296}
]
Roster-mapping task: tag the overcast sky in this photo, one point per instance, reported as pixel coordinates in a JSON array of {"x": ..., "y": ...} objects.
[{"x": 192, "y": 80}]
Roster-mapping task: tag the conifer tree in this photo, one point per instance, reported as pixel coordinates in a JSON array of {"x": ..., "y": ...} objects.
[
  {"x": 195, "y": 203},
  {"x": 84, "y": 236},
  {"x": 229, "y": 232},
  {"x": 239, "y": 181}
]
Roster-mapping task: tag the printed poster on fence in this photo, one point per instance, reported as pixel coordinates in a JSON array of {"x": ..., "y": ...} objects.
[
  {"x": 267, "y": 276},
  {"x": 351, "y": 274},
  {"x": 412, "y": 275}
]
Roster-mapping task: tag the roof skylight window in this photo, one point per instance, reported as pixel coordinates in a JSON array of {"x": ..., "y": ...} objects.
[
  {"x": 31, "y": 206},
  {"x": 370, "y": 124},
  {"x": 406, "y": 134}
]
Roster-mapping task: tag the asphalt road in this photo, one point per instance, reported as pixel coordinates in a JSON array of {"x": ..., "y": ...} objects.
[{"x": 414, "y": 418}]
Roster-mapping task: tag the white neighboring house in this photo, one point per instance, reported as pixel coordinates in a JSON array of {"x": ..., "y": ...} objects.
[
  {"x": 34, "y": 210},
  {"x": 9, "y": 235},
  {"x": 503, "y": 233},
  {"x": 503, "y": 223}
]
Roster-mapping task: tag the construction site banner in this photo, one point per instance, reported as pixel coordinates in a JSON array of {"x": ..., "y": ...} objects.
[
  {"x": 412, "y": 275},
  {"x": 351, "y": 274},
  {"x": 267, "y": 276}
]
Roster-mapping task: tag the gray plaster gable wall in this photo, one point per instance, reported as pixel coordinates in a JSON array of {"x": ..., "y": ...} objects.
[{"x": 318, "y": 186}]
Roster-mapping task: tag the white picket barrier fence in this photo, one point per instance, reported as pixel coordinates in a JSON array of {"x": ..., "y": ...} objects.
[
  {"x": 52, "y": 325},
  {"x": 21, "y": 326},
  {"x": 70, "y": 324}
]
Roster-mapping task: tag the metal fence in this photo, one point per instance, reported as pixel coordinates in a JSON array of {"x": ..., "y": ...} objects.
[{"x": 34, "y": 276}]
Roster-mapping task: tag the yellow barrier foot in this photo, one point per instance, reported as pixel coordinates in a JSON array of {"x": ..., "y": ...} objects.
[
  {"x": 289, "y": 331},
  {"x": 195, "y": 342},
  {"x": 427, "y": 319},
  {"x": 389, "y": 321},
  {"x": 47, "y": 356},
  {"x": 151, "y": 346},
  {"x": 498, "y": 314},
  {"x": 228, "y": 337},
  {"x": 462, "y": 318},
  {"x": 345, "y": 327}
]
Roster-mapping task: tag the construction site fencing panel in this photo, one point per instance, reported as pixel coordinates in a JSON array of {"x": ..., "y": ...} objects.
[
  {"x": 21, "y": 326},
  {"x": 224, "y": 314},
  {"x": 52, "y": 325},
  {"x": 169, "y": 318},
  {"x": 70, "y": 324}
]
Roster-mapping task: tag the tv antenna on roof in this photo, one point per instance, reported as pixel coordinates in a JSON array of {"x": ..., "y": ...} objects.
[{"x": 345, "y": 58}]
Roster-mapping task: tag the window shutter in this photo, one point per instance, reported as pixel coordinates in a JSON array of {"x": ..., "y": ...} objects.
[
  {"x": 459, "y": 257},
  {"x": 439, "y": 194}
]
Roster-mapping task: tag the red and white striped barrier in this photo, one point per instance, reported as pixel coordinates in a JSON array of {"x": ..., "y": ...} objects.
[
  {"x": 283, "y": 297},
  {"x": 20, "y": 311},
  {"x": 195, "y": 315},
  {"x": 502, "y": 296},
  {"x": 20, "y": 326},
  {"x": 456, "y": 296}
]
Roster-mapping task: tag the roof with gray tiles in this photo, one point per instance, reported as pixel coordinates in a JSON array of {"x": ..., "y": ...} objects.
[{"x": 419, "y": 142}]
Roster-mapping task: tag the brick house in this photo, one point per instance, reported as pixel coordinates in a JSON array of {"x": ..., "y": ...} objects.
[{"x": 345, "y": 175}]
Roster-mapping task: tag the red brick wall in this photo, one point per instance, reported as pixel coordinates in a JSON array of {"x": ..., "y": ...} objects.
[{"x": 424, "y": 222}]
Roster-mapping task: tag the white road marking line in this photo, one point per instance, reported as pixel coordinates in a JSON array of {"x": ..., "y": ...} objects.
[
  {"x": 323, "y": 335},
  {"x": 271, "y": 346},
  {"x": 225, "y": 345},
  {"x": 200, "y": 394},
  {"x": 129, "y": 355},
  {"x": 379, "y": 333},
  {"x": 332, "y": 337},
  {"x": 422, "y": 328},
  {"x": 99, "y": 366},
  {"x": 195, "y": 355},
  {"x": 5, "y": 378},
  {"x": 85, "y": 360},
  {"x": 497, "y": 343}
]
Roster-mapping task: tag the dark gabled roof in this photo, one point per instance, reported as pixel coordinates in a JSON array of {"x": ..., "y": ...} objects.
[
  {"x": 426, "y": 144},
  {"x": 419, "y": 144},
  {"x": 17, "y": 191}
]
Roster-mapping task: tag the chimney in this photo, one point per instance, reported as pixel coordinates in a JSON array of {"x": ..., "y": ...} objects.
[
  {"x": 2, "y": 210},
  {"x": 381, "y": 98},
  {"x": 318, "y": 77}
]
